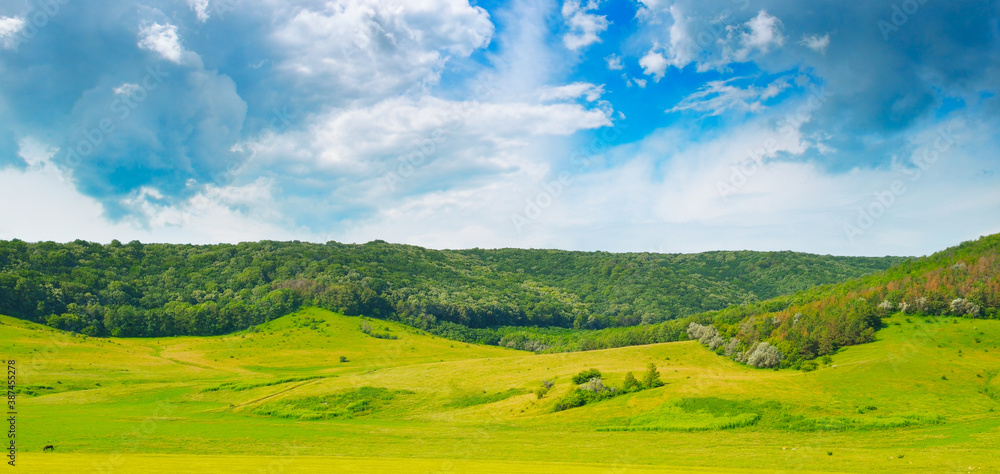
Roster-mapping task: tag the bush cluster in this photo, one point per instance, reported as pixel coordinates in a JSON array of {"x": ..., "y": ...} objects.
[{"x": 591, "y": 387}]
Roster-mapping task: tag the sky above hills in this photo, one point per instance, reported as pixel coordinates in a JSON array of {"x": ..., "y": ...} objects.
[{"x": 852, "y": 128}]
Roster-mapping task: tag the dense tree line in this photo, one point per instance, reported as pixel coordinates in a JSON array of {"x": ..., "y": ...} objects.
[
  {"x": 137, "y": 289},
  {"x": 785, "y": 331}
]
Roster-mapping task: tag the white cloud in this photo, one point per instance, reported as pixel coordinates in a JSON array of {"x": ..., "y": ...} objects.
[
  {"x": 200, "y": 9},
  {"x": 682, "y": 42},
  {"x": 710, "y": 42},
  {"x": 35, "y": 153},
  {"x": 10, "y": 27},
  {"x": 572, "y": 91},
  {"x": 662, "y": 195},
  {"x": 716, "y": 97},
  {"x": 49, "y": 207},
  {"x": 163, "y": 40},
  {"x": 364, "y": 140},
  {"x": 639, "y": 82},
  {"x": 584, "y": 27},
  {"x": 614, "y": 62},
  {"x": 654, "y": 64},
  {"x": 816, "y": 43},
  {"x": 764, "y": 32},
  {"x": 373, "y": 48},
  {"x": 126, "y": 88},
  {"x": 760, "y": 35}
]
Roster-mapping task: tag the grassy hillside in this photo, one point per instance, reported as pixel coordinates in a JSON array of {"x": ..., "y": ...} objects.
[
  {"x": 923, "y": 397},
  {"x": 163, "y": 290}
]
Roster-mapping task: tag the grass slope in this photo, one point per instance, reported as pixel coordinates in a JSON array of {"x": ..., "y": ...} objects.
[{"x": 922, "y": 398}]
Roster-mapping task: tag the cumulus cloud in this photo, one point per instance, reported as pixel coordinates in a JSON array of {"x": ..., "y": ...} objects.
[
  {"x": 654, "y": 64},
  {"x": 373, "y": 48},
  {"x": 584, "y": 26},
  {"x": 10, "y": 28},
  {"x": 614, "y": 62},
  {"x": 200, "y": 9},
  {"x": 745, "y": 42},
  {"x": 682, "y": 42},
  {"x": 163, "y": 40},
  {"x": 211, "y": 216},
  {"x": 816, "y": 42},
  {"x": 359, "y": 119},
  {"x": 762, "y": 33},
  {"x": 709, "y": 42},
  {"x": 876, "y": 86},
  {"x": 365, "y": 140}
]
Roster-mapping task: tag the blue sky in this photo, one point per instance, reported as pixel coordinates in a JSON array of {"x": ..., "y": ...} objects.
[{"x": 851, "y": 128}]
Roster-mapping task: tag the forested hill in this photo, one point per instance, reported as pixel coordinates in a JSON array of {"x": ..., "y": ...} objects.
[
  {"x": 140, "y": 289},
  {"x": 788, "y": 331}
]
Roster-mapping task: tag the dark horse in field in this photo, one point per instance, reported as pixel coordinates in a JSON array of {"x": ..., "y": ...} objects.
[{"x": 49, "y": 448}]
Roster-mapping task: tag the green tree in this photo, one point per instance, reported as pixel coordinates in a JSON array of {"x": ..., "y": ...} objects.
[
  {"x": 652, "y": 377},
  {"x": 631, "y": 384}
]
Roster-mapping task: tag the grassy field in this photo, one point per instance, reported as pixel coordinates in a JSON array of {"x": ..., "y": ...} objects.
[{"x": 923, "y": 398}]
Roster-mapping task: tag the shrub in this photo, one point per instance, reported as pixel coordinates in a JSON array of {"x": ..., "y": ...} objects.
[
  {"x": 343, "y": 359},
  {"x": 369, "y": 330},
  {"x": 573, "y": 399},
  {"x": 544, "y": 389},
  {"x": 586, "y": 375},
  {"x": 732, "y": 347},
  {"x": 596, "y": 385}
]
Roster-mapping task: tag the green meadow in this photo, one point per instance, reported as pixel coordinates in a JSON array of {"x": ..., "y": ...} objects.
[{"x": 311, "y": 392}]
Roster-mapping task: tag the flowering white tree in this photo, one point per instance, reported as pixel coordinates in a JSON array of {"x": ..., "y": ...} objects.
[
  {"x": 764, "y": 355},
  {"x": 961, "y": 307}
]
